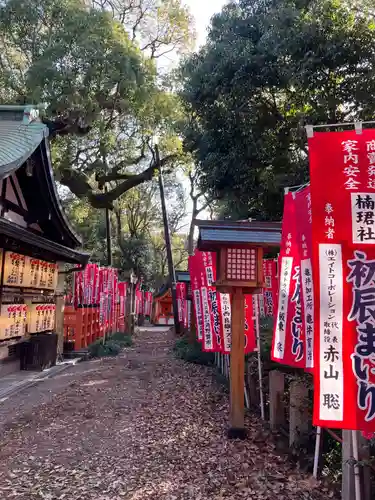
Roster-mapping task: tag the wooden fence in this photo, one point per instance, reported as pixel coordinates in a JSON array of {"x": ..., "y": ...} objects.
[
  {"x": 82, "y": 326},
  {"x": 288, "y": 401}
]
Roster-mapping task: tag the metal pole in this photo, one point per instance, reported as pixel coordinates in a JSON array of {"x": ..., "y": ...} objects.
[
  {"x": 357, "y": 479},
  {"x": 172, "y": 275},
  {"x": 317, "y": 451},
  {"x": 256, "y": 314}
]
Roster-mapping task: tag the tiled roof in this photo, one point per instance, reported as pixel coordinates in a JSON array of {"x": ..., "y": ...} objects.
[
  {"x": 183, "y": 276},
  {"x": 223, "y": 232},
  {"x": 240, "y": 236},
  {"x": 18, "y": 140}
]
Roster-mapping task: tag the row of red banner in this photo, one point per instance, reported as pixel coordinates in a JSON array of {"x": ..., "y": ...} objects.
[
  {"x": 325, "y": 319},
  {"x": 213, "y": 310},
  {"x": 99, "y": 286},
  {"x": 143, "y": 303}
]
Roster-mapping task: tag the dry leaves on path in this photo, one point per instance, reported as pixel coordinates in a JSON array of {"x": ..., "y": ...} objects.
[{"x": 144, "y": 426}]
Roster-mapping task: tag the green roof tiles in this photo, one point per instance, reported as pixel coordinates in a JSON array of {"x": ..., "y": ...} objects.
[{"x": 21, "y": 132}]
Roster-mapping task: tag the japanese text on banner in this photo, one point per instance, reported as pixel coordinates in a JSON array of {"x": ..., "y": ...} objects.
[
  {"x": 343, "y": 210},
  {"x": 288, "y": 340}
]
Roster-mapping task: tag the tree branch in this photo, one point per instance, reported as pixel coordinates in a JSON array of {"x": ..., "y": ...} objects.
[{"x": 78, "y": 183}]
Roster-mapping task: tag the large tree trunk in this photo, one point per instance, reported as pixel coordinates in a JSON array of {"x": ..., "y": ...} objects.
[{"x": 194, "y": 215}]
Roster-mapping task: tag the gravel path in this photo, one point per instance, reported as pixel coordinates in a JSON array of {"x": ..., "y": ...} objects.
[{"x": 143, "y": 426}]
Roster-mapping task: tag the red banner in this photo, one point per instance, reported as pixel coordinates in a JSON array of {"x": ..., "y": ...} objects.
[
  {"x": 195, "y": 265},
  {"x": 122, "y": 288},
  {"x": 288, "y": 338},
  {"x": 269, "y": 290},
  {"x": 250, "y": 340},
  {"x": 148, "y": 304},
  {"x": 210, "y": 303},
  {"x": 213, "y": 309},
  {"x": 304, "y": 234},
  {"x": 343, "y": 209},
  {"x": 181, "y": 298}
]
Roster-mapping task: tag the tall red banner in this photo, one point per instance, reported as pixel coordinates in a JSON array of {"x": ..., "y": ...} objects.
[
  {"x": 288, "y": 338},
  {"x": 195, "y": 265},
  {"x": 304, "y": 235},
  {"x": 209, "y": 262},
  {"x": 122, "y": 288},
  {"x": 250, "y": 340},
  {"x": 181, "y": 299},
  {"x": 343, "y": 209}
]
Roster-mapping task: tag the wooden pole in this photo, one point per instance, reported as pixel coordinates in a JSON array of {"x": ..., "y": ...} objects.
[
  {"x": 60, "y": 308},
  {"x": 237, "y": 367},
  {"x": 348, "y": 487},
  {"x": 277, "y": 409}
]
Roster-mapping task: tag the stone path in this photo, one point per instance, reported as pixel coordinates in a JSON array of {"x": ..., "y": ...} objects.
[{"x": 143, "y": 426}]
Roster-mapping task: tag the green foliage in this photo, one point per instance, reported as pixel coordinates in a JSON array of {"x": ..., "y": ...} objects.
[
  {"x": 112, "y": 346},
  {"x": 266, "y": 334},
  {"x": 267, "y": 69},
  {"x": 137, "y": 232},
  {"x": 192, "y": 353},
  {"x": 94, "y": 65},
  {"x": 100, "y": 350},
  {"x": 123, "y": 339},
  {"x": 70, "y": 57}
]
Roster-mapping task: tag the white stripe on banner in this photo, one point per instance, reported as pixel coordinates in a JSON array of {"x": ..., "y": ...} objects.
[
  {"x": 282, "y": 310},
  {"x": 331, "y": 373},
  {"x": 308, "y": 309}
]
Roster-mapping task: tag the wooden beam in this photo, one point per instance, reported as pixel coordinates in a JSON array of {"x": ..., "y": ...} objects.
[
  {"x": 277, "y": 407},
  {"x": 237, "y": 367}
]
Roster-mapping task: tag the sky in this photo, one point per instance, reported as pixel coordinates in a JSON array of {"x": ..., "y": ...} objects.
[{"x": 203, "y": 10}]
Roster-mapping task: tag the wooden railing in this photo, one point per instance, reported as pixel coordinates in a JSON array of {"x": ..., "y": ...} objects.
[{"x": 82, "y": 326}]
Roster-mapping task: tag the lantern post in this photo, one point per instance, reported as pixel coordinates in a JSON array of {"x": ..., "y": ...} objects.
[{"x": 239, "y": 247}]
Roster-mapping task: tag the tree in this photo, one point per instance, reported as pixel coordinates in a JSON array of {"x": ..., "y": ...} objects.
[
  {"x": 136, "y": 229},
  {"x": 200, "y": 201},
  {"x": 268, "y": 68},
  {"x": 93, "y": 64}
]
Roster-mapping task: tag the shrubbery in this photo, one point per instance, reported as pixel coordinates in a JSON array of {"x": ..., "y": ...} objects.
[
  {"x": 112, "y": 346},
  {"x": 192, "y": 352}
]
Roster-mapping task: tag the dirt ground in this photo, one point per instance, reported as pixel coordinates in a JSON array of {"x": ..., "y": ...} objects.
[{"x": 143, "y": 426}]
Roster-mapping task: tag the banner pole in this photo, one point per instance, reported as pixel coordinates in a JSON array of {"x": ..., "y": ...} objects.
[
  {"x": 262, "y": 413},
  {"x": 247, "y": 402},
  {"x": 357, "y": 479},
  {"x": 317, "y": 451},
  {"x": 228, "y": 366}
]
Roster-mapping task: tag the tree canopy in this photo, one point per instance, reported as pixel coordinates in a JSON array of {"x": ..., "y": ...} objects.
[
  {"x": 137, "y": 233},
  {"x": 94, "y": 64},
  {"x": 269, "y": 67}
]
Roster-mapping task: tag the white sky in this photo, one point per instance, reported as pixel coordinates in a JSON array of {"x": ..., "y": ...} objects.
[{"x": 203, "y": 10}]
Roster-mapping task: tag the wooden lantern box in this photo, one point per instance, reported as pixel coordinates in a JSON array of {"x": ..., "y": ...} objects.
[{"x": 239, "y": 248}]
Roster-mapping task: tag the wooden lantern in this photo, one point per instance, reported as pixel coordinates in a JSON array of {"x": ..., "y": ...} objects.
[
  {"x": 240, "y": 267},
  {"x": 239, "y": 247}
]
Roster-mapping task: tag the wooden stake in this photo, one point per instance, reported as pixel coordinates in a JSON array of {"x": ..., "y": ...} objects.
[
  {"x": 277, "y": 389},
  {"x": 60, "y": 307},
  {"x": 237, "y": 367},
  {"x": 348, "y": 488}
]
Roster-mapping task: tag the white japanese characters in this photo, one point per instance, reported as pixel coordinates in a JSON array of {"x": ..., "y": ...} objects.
[{"x": 351, "y": 170}]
